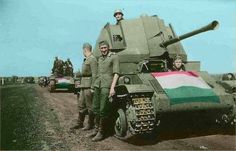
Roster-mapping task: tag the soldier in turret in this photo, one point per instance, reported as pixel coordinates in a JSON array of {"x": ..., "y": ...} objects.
[
  {"x": 118, "y": 14},
  {"x": 177, "y": 64},
  {"x": 108, "y": 73},
  {"x": 55, "y": 65},
  {"x": 229, "y": 76},
  {"x": 69, "y": 67},
  {"x": 57, "y": 69},
  {"x": 89, "y": 73}
]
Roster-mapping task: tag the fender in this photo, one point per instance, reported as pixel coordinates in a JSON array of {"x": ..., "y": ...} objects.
[{"x": 132, "y": 89}]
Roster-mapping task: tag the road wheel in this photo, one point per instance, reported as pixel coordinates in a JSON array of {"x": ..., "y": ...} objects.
[
  {"x": 51, "y": 86},
  {"x": 121, "y": 124}
]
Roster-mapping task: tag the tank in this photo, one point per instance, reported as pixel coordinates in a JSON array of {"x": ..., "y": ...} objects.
[
  {"x": 148, "y": 98},
  {"x": 61, "y": 78},
  {"x": 43, "y": 81},
  {"x": 29, "y": 80},
  {"x": 228, "y": 81},
  {"x": 61, "y": 83}
]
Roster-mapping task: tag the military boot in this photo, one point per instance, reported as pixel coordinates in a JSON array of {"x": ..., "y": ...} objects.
[
  {"x": 101, "y": 132},
  {"x": 79, "y": 122},
  {"x": 90, "y": 124},
  {"x": 95, "y": 131}
]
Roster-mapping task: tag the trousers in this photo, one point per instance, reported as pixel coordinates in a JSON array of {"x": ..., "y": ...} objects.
[{"x": 101, "y": 104}]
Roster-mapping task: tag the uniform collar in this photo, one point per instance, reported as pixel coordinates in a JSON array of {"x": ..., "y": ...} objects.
[
  {"x": 89, "y": 56},
  {"x": 176, "y": 69},
  {"x": 109, "y": 54}
]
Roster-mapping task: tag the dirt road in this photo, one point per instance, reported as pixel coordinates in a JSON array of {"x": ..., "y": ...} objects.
[{"x": 60, "y": 113}]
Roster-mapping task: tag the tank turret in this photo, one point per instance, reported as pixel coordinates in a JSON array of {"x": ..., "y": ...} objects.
[{"x": 147, "y": 37}]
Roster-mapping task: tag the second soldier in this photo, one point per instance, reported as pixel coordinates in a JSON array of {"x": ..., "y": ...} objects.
[
  {"x": 89, "y": 73},
  {"x": 104, "y": 88}
]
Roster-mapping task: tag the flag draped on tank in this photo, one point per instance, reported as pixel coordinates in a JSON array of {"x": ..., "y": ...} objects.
[{"x": 185, "y": 87}]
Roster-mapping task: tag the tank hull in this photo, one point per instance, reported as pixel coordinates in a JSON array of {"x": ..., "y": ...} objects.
[
  {"x": 148, "y": 107},
  {"x": 65, "y": 83}
]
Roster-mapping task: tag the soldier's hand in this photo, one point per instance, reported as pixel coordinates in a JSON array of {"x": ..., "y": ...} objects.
[
  {"x": 110, "y": 99},
  {"x": 112, "y": 92},
  {"x": 92, "y": 90}
]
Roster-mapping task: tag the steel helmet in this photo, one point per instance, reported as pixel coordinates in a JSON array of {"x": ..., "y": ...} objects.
[{"x": 118, "y": 11}]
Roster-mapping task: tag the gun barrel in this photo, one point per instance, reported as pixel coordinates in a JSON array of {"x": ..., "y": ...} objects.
[{"x": 212, "y": 26}]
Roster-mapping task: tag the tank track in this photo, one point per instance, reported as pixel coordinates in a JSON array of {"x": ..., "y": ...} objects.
[{"x": 140, "y": 115}]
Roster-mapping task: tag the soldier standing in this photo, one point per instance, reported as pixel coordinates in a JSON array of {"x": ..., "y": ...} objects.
[
  {"x": 89, "y": 73},
  {"x": 118, "y": 14},
  {"x": 108, "y": 70}
]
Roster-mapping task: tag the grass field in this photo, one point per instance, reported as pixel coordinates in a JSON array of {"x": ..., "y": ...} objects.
[
  {"x": 21, "y": 127},
  {"x": 27, "y": 121}
]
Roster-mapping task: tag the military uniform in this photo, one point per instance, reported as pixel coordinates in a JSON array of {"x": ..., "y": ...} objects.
[
  {"x": 115, "y": 13},
  {"x": 58, "y": 67},
  {"x": 182, "y": 68},
  {"x": 69, "y": 68},
  {"x": 107, "y": 67},
  {"x": 69, "y": 63},
  {"x": 118, "y": 22},
  {"x": 89, "y": 72},
  {"x": 54, "y": 65}
]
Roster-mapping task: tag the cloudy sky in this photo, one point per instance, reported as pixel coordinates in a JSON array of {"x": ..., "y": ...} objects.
[{"x": 33, "y": 32}]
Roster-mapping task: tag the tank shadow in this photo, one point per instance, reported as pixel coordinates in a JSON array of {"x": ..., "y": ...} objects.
[
  {"x": 62, "y": 91},
  {"x": 161, "y": 135}
]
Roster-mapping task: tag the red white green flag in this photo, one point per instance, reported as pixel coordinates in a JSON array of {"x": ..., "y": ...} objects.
[
  {"x": 185, "y": 87},
  {"x": 64, "y": 83}
]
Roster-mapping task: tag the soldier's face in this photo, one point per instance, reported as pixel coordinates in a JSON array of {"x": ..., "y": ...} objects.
[
  {"x": 104, "y": 49},
  {"x": 178, "y": 63},
  {"x": 85, "y": 52},
  {"x": 118, "y": 16},
  {"x": 229, "y": 76}
]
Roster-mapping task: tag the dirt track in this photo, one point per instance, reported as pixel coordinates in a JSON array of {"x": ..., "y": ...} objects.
[
  {"x": 58, "y": 112},
  {"x": 64, "y": 106}
]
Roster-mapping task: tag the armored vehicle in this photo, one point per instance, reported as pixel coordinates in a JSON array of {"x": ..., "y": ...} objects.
[
  {"x": 227, "y": 81},
  {"x": 147, "y": 96},
  {"x": 29, "y": 80},
  {"x": 61, "y": 83},
  {"x": 61, "y": 79},
  {"x": 43, "y": 81}
]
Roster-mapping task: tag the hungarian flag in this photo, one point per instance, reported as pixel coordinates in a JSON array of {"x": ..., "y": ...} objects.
[
  {"x": 185, "y": 87},
  {"x": 64, "y": 81}
]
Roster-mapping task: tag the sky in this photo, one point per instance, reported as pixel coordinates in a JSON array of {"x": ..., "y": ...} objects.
[{"x": 33, "y": 32}]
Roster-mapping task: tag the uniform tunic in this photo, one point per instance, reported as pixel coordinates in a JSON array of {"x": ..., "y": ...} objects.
[
  {"x": 119, "y": 22},
  {"x": 107, "y": 67},
  {"x": 89, "y": 72}
]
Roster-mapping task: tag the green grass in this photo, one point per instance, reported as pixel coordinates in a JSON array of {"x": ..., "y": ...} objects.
[
  {"x": 21, "y": 126},
  {"x": 24, "y": 113}
]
